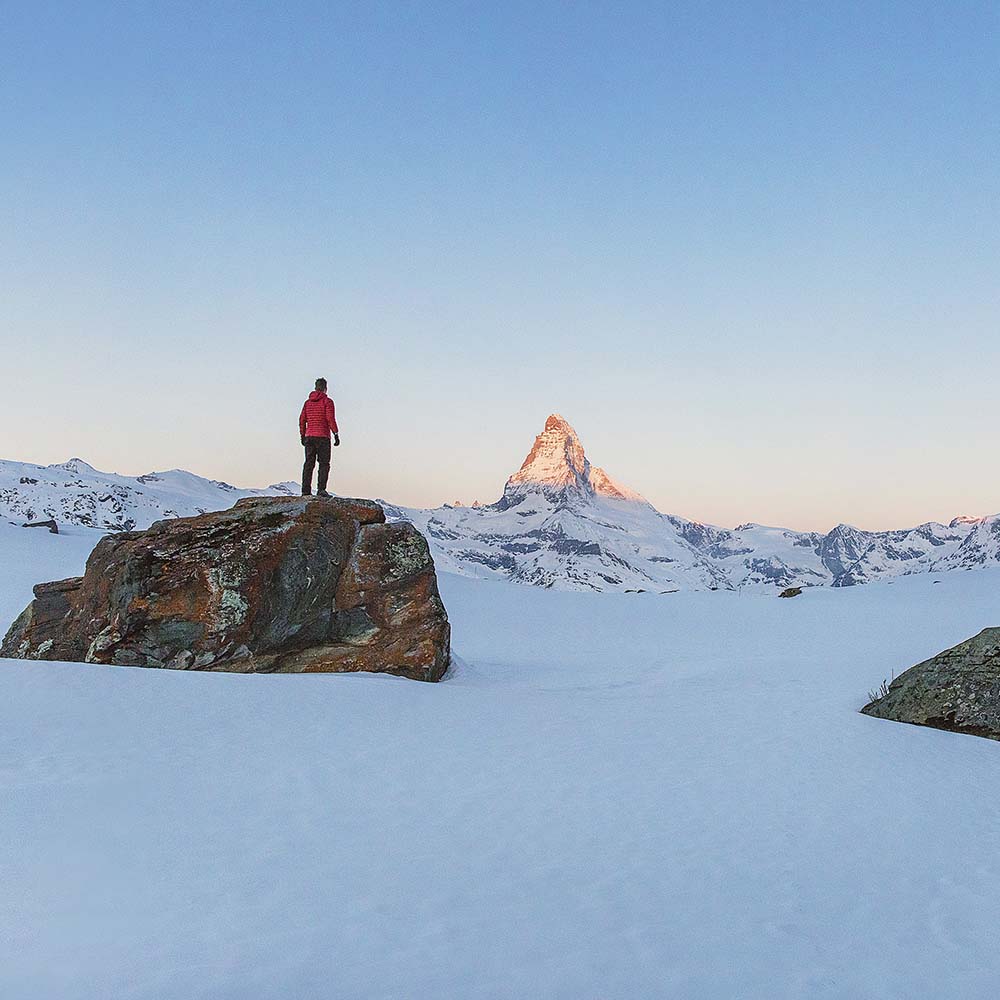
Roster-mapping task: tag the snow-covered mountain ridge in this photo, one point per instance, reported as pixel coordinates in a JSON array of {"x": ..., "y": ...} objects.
[
  {"x": 561, "y": 522},
  {"x": 74, "y": 492}
]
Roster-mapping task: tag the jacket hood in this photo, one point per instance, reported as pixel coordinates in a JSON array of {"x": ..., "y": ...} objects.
[{"x": 316, "y": 394}]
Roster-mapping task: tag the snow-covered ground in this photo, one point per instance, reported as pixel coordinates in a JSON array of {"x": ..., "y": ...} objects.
[{"x": 613, "y": 796}]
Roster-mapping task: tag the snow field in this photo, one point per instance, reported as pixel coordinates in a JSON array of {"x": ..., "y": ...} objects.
[{"x": 612, "y": 796}]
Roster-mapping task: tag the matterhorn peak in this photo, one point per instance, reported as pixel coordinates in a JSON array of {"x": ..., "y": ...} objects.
[
  {"x": 557, "y": 463},
  {"x": 556, "y": 458},
  {"x": 557, "y": 422}
]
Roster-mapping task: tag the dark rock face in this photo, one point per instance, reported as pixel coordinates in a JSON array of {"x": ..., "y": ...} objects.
[
  {"x": 50, "y": 524},
  {"x": 791, "y": 592},
  {"x": 958, "y": 690},
  {"x": 274, "y": 584}
]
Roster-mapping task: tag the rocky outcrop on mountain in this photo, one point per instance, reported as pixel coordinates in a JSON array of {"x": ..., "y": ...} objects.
[
  {"x": 958, "y": 690},
  {"x": 288, "y": 585},
  {"x": 854, "y": 556}
]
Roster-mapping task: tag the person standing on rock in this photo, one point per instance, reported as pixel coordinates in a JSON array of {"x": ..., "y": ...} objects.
[{"x": 317, "y": 421}]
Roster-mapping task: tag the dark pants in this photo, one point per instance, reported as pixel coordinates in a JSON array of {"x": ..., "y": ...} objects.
[{"x": 316, "y": 448}]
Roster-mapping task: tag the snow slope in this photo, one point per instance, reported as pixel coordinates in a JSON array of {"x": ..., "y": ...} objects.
[
  {"x": 35, "y": 556},
  {"x": 612, "y": 796}
]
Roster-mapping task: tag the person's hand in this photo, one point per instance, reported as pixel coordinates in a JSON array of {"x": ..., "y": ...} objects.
[
  {"x": 336, "y": 440},
  {"x": 302, "y": 437}
]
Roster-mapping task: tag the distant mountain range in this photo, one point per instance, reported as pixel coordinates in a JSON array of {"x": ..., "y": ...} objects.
[
  {"x": 561, "y": 522},
  {"x": 74, "y": 492}
]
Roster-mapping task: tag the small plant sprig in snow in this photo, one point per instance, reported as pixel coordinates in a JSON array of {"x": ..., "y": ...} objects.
[{"x": 880, "y": 692}]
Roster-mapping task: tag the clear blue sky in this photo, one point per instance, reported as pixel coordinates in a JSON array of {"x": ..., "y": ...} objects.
[{"x": 750, "y": 250}]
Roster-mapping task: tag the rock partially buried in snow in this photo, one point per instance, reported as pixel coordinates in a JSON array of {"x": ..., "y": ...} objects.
[
  {"x": 50, "y": 524},
  {"x": 958, "y": 690},
  {"x": 274, "y": 584}
]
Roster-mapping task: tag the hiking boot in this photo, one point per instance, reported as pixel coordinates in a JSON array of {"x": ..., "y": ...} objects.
[
  {"x": 323, "y": 494},
  {"x": 307, "y": 493}
]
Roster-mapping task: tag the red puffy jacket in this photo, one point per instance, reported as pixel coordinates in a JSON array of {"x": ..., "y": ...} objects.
[{"x": 318, "y": 417}]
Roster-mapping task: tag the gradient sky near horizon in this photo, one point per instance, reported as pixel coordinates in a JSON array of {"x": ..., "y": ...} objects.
[{"x": 750, "y": 250}]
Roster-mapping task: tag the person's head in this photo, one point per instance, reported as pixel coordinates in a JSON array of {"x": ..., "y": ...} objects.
[{"x": 321, "y": 385}]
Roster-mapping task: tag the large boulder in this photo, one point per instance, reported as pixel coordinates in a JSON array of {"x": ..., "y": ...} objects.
[
  {"x": 958, "y": 690},
  {"x": 275, "y": 584}
]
